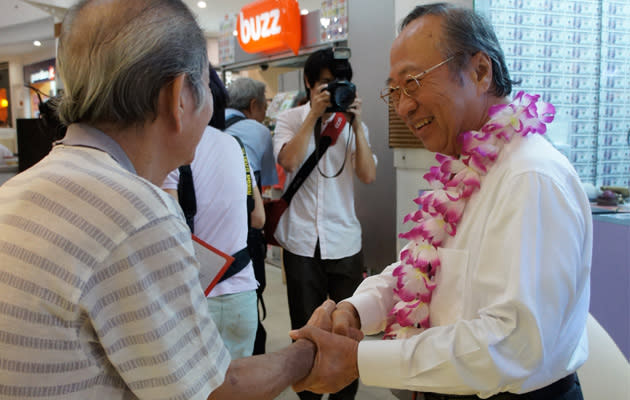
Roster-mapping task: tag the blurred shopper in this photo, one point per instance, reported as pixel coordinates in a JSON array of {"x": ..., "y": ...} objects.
[
  {"x": 99, "y": 285},
  {"x": 221, "y": 189},
  {"x": 320, "y": 232},
  {"x": 244, "y": 119}
]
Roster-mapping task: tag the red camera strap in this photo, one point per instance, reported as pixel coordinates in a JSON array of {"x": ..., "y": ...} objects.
[{"x": 334, "y": 127}]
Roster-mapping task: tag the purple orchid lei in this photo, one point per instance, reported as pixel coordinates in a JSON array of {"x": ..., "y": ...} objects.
[{"x": 453, "y": 182}]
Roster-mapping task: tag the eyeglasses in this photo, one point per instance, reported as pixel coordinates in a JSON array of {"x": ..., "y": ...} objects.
[{"x": 411, "y": 85}]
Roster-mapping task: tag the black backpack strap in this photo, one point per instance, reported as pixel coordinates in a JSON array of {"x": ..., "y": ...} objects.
[
  {"x": 186, "y": 195},
  {"x": 232, "y": 120},
  {"x": 241, "y": 259}
]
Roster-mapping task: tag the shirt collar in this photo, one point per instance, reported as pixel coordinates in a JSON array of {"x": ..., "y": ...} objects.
[
  {"x": 86, "y": 136},
  {"x": 232, "y": 111}
]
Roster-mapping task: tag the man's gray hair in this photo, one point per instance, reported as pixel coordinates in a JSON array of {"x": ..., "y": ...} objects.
[
  {"x": 114, "y": 57},
  {"x": 465, "y": 33},
  {"x": 242, "y": 90}
]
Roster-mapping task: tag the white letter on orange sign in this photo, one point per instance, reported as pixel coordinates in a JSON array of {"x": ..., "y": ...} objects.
[
  {"x": 256, "y": 28},
  {"x": 275, "y": 27},
  {"x": 245, "y": 28}
]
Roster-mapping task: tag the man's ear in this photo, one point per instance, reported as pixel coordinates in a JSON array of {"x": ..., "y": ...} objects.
[
  {"x": 252, "y": 105},
  {"x": 482, "y": 71},
  {"x": 174, "y": 100}
]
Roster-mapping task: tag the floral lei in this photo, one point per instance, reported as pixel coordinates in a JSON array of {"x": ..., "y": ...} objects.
[{"x": 453, "y": 182}]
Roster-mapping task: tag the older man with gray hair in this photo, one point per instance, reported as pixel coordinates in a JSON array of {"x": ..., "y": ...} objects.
[
  {"x": 247, "y": 103},
  {"x": 246, "y": 111},
  {"x": 490, "y": 297},
  {"x": 99, "y": 285}
]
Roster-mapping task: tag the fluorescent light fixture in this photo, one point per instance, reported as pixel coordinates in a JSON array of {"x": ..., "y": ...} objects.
[
  {"x": 37, "y": 43},
  {"x": 201, "y": 4}
]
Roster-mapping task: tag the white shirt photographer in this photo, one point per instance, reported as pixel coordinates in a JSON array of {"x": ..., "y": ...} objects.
[{"x": 324, "y": 203}]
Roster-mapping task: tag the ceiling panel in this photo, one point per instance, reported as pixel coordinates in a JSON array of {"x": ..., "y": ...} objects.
[{"x": 19, "y": 20}]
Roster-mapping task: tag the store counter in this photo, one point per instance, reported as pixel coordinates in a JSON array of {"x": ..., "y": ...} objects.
[{"x": 610, "y": 276}]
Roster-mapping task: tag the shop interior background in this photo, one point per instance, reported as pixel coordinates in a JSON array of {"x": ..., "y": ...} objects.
[{"x": 575, "y": 53}]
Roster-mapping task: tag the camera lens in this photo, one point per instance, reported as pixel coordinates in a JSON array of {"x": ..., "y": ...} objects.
[{"x": 342, "y": 94}]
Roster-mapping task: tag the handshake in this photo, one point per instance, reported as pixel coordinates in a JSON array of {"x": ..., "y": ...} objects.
[{"x": 335, "y": 331}]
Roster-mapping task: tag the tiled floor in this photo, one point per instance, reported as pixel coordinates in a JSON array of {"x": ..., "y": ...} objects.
[{"x": 277, "y": 325}]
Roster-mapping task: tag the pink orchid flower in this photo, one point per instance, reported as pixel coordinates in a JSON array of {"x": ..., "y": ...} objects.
[
  {"x": 432, "y": 229},
  {"x": 407, "y": 313},
  {"x": 421, "y": 255},
  {"x": 466, "y": 181},
  {"x": 413, "y": 284}
]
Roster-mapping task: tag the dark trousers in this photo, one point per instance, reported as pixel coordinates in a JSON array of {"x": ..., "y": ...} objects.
[
  {"x": 258, "y": 252},
  {"x": 310, "y": 281}
]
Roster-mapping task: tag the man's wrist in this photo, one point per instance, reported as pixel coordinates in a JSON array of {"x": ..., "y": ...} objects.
[
  {"x": 355, "y": 351},
  {"x": 305, "y": 350}
]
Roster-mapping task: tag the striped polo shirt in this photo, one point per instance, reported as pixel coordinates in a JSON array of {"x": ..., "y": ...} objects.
[{"x": 99, "y": 290}]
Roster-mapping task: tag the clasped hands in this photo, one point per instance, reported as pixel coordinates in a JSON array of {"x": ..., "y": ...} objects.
[{"x": 334, "y": 329}]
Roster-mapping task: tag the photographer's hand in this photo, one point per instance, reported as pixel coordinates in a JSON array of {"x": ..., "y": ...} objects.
[
  {"x": 294, "y": 151},
  {"x": 320, "y": 100}
]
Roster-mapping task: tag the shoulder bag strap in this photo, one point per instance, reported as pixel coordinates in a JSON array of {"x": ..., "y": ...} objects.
[
  {"x": 330, "y": 135},
  {"x": 186, "y": 195},
  {"x": 233, "y": 119}
]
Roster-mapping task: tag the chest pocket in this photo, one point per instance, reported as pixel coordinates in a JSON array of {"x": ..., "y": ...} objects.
[{"x": 447, "y": 303}]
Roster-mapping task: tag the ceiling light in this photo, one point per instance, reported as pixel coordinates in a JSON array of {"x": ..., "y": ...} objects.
[
  {"x": 304, "y": 11},
  {"x": 201, "y": 4},
  {"x": 37, "y": 43},
  {"x": 235, "y": 33}
]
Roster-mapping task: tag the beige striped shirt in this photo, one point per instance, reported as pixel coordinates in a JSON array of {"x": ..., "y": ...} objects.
[{"x": 99, "y": 289}]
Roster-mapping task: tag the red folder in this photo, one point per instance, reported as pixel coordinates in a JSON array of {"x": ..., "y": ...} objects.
[{"x": 212, "y": 263}]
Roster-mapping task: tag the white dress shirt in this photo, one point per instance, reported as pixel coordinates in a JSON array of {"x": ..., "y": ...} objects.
[
  {"x": 509, "y": 312},
  {"x": 322, "y": 207}
]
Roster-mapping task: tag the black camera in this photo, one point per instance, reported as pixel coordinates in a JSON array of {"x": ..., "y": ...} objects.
[{"x": 342, "y": 94}]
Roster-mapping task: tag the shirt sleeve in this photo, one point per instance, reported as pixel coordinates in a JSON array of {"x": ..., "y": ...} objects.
[
  {"x": 531, "y": 293},
  {"x": 287, "y": 125},
  {"x": 171, "y": 181},
  {"x": 269, "y": 175},
  {"x": 373, "y": 300},
  {"x": 147, "y": 307},
  {"x": 367, "y": 138}
]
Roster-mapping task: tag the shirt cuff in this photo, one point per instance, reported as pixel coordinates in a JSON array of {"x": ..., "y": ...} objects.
[
  {"x": 380, "y": 363},
  {"x": 370, "y": 312}
]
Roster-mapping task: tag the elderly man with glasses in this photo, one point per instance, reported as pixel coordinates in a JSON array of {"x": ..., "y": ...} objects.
[{"x": 490, "y": 297}]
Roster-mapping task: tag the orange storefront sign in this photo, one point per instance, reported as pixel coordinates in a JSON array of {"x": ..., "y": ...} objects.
[{"x": 269, "y": 25}]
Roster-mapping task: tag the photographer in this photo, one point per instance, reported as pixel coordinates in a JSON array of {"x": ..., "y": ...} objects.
[{"x": 319, "y": 232}]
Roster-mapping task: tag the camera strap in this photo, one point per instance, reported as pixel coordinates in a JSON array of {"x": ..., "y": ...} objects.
[
  {"x": 326, "y": 138},
  {"x": 334, "y": 133}
]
